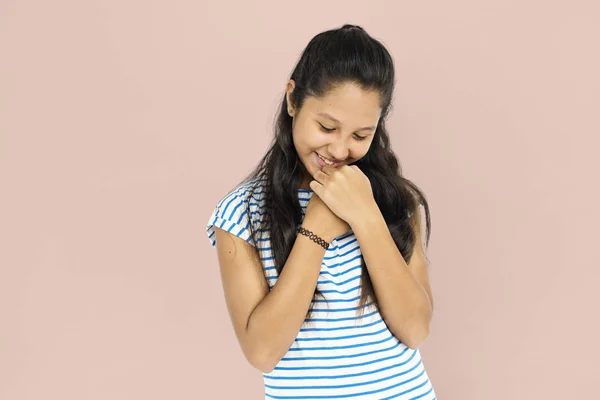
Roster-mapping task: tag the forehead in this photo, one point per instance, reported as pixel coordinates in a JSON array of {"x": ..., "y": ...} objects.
[{"x": 349, "y": 103}]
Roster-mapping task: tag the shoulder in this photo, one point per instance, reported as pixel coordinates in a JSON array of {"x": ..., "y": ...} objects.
[
  {"x": 246, "y": 193},
  {"x": 239, "y": 211}
]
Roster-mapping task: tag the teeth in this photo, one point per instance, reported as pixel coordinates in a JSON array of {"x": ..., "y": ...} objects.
[{"x": 326, "y": 161}]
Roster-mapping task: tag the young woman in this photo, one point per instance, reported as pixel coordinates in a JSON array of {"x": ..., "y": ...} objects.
[{"x": 321, "y": 248}]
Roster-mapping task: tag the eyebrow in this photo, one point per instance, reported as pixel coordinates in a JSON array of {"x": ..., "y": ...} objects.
[{"x": 325, "y": 115}]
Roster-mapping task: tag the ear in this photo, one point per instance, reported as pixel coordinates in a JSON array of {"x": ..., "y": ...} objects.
[{"x": 289, "y": 89}]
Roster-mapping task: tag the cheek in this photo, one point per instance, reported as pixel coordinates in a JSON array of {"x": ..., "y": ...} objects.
[
  {"x": 298, "y": 138},
  {"x": 359, "y": 151},
  {"x": 301, "y": 144},
  {"x": 308, "y": 138}
]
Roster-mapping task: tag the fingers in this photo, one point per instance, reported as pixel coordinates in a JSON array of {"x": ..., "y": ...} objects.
[
  {"x": 328, "y": 173},
  {"x": 321, "y": 177},
  {"x": 332, "y": 171},
  {"x": 328, "y": 169},
  {"x": 316, "y": 187}
]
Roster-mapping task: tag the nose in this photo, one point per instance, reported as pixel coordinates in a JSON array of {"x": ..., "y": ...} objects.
[{"x": 339, "y": 150}]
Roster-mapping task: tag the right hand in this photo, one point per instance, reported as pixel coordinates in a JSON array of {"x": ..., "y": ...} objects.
[{"x": 319, "y": 219}]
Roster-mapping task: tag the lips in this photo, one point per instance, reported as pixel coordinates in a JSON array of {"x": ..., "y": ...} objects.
[{"x": 322, "y": 163}]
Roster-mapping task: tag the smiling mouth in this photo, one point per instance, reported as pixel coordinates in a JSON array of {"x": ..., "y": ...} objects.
[{"x": 326, "y": 161}]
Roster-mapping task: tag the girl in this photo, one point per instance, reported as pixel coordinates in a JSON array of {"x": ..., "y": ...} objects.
[{"x": 321, "y": 247}]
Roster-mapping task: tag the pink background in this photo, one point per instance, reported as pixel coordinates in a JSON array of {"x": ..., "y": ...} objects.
[{"x": 122, "y": 123}]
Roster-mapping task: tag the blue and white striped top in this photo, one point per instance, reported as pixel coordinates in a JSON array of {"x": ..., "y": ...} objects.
[{"x": 337, "y": 354}]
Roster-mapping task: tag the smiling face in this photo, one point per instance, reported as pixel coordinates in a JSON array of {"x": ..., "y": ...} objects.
[{"x": 335, "y": 129}]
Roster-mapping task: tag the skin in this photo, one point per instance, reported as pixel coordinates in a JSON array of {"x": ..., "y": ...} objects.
[
  {"x": 403, "y": 290},
  {"x": 266, "y": 322},
  {"x": 346, "y": 142}
]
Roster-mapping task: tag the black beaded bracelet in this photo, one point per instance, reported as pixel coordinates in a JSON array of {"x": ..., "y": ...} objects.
[{"x": 314, "y": 237}]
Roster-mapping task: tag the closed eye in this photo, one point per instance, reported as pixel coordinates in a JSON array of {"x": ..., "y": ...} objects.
[{"x": 329, "y": 130}]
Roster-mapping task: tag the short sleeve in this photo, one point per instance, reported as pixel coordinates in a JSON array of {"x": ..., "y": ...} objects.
[{"x": 231, "y": 215}]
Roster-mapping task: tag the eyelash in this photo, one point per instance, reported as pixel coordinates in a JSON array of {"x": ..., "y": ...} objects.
[{"x": 326, "y": 130}]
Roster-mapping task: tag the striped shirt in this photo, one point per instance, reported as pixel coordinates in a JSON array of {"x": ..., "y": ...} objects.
[{"x": 337, "y": 354}]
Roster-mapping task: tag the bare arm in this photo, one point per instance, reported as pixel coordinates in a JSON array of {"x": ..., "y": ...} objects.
[
  {"x": 265, "y": 322},
  {"x": 403, "y": 291}
]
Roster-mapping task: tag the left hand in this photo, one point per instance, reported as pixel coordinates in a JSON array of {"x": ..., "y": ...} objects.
[{"x": 346, "y": 191}]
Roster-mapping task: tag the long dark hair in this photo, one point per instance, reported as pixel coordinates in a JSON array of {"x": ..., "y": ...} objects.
[{"x": 334, "y": 57}]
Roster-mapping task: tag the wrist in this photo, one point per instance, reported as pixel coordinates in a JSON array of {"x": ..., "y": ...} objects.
[
  {"x": 367, "y": 220},
  {"x": 318, "y": 229}
]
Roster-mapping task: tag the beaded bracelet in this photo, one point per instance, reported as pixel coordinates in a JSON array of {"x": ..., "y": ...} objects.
[{"x": 314, "y": 237}]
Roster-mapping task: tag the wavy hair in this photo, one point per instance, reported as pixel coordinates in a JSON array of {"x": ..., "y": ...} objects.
[{"x": 332, "y": 58}]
